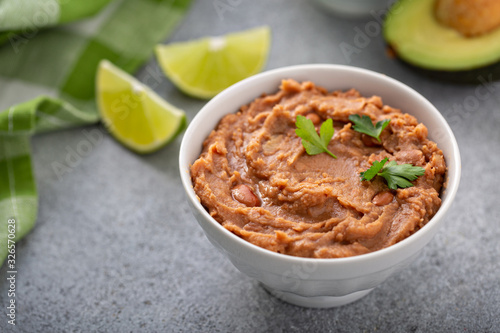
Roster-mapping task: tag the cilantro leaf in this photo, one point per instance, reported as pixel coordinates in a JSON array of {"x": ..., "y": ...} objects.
[
  {"x": 312, "y": 142},
  {"x": 374, "y": 170},
  {"x": 396, "y": 175},
  {"x": 363, "y": 124},
  {"x": 326, "y": 132},
  {"x": 400, "y": 175}
]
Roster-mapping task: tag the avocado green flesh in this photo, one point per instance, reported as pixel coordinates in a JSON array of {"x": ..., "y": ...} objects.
[{"x": 414, "y": 33}]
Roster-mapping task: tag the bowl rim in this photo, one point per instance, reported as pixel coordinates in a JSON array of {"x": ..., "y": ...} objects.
[{"x": 393, "y": 250}]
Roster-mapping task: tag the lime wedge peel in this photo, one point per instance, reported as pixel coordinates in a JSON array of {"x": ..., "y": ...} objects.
[
  {"x": 204, "y": 67},
  {"x": 133, "y": 113}
]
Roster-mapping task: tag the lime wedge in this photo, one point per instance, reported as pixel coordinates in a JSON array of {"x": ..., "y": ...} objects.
[
  {"x": 133, "y": 113},
  {"x": 204, "y": 67}
]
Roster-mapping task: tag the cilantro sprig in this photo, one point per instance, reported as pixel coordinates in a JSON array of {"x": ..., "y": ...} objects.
[
  {"x": 396, "y": 175},
  {"x": 312, "y": 142},
  {"x": 363, "y": 124}
]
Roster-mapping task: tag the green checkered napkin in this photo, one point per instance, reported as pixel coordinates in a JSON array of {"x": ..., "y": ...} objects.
[
  {"x": 22, "y": 18},
  {"x": 47, "y": 77}
]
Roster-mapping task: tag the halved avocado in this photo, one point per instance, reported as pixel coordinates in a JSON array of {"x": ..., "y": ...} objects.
[{"x": 415, "y": 35}]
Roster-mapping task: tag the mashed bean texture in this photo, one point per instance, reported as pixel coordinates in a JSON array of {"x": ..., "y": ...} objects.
[{"x": 255, "y": 178}]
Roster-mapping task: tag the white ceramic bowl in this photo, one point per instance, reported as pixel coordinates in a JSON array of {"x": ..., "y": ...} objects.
[
  {"x": 306, "y": 281},
  {"x": 356, "y": 8}
]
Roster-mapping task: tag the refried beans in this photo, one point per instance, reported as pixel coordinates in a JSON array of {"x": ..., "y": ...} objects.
[{"x": 255, "y": 178}]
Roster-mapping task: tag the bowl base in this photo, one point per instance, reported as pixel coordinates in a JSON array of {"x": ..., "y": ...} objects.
[{"x": 316, "y": 301}]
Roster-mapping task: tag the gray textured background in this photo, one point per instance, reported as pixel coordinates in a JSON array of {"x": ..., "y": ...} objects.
[{"x": 116, "y": 249}]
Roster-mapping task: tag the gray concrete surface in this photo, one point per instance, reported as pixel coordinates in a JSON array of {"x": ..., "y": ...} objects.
[{"x": 116, "y": 249}]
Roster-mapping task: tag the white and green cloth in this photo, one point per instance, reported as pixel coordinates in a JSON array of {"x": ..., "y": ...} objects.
[{"x": 47, "y": 73}]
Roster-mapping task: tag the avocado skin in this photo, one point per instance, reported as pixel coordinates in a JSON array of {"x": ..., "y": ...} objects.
[{"x": 464, "y": 77}]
